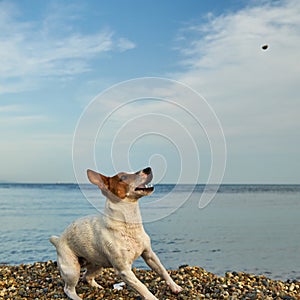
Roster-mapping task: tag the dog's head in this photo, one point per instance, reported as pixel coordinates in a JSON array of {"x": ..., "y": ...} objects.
[{"x": 124, "y": 186}]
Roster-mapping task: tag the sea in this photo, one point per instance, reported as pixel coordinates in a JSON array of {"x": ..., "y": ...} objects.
[{"x": 244, "y": 228}]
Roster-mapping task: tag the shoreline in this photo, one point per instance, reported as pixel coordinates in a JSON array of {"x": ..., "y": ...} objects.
[{"x": 41, "y": 280}]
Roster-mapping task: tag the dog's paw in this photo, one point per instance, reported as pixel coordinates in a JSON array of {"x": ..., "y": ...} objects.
[
  {"x": 93, "y": 283},
  {"x": 96, "y": 285},
  {"x": 175, "y": 288}
]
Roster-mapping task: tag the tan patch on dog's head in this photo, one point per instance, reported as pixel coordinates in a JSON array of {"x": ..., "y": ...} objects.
[
  {"x": 113, "y": 184},
  {"x": 118, "y": 187}
]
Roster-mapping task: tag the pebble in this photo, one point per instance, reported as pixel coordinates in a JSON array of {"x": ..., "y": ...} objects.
[{"x": 41, "y": 280}]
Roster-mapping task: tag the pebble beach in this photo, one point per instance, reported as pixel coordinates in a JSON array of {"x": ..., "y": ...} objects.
[{"x": 41, "y": 280}]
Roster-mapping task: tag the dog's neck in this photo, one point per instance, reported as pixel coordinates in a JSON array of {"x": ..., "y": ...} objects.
[{"x": 124, "y": 212}]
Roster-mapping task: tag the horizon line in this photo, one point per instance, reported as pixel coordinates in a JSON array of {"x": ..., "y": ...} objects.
[{"x": 164, "y": 183}]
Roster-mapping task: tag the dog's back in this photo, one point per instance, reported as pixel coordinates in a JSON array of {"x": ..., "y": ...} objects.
[{"x": 84, "y": 239}]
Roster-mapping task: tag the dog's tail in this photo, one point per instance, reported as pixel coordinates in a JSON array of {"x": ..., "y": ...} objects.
[{"x": 54, "y": 240}]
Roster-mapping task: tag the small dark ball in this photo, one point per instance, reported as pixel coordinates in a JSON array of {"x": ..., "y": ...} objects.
[{"x": 265, "y": 47}]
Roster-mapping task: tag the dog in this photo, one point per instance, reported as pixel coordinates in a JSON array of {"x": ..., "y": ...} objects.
[{"x": 113, "y": 239}]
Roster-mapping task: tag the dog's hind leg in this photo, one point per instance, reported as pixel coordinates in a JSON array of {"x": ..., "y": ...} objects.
[
  {"x": 70, "y": 272},
  {"x": 89, "y": 276}
]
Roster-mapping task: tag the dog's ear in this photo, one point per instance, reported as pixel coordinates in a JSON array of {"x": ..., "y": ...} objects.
[{"x": 98, "y": 179}]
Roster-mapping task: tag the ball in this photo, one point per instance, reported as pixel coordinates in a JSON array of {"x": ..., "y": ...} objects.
[{"x": 264, "y": 47}]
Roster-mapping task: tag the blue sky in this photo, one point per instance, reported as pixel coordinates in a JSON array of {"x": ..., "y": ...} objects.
[{"x": 56, "y": 56}]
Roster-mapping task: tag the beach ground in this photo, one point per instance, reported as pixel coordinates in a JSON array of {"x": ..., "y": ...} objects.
[{"x": 41, "y": 280}]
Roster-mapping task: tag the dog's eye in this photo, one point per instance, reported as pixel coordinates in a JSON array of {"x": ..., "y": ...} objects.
[{"x": 123, "y": 177}]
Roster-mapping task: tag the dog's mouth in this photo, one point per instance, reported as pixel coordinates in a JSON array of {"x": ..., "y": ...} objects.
[{"x": 147, "y": 186}]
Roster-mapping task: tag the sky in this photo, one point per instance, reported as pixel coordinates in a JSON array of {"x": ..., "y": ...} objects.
[{"x": 183, "y": 86}]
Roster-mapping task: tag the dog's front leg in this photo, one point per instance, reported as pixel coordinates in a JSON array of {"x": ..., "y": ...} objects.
[
  {"x": 154, "y": 263},
  {"x": 128, "y": 276}
]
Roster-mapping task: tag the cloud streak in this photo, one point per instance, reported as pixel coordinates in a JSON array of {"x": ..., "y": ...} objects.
[{"x": 37, "y": 50}]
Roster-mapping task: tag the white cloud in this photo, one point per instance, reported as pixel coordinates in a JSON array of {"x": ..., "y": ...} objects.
[
  {"x": 255, "y": 93},
  {"x": 10, "y": 108},
  {"x": 22, "y": 120},
  {"x": 252, "y": 91},
  {"x": 16, "y": 116},
  {"x": 125, "y": 44},
  {"x": 38, "y": 49}
]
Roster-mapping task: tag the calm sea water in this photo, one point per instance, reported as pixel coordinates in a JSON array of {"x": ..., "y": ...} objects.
[{"x": 252, "y": 228}]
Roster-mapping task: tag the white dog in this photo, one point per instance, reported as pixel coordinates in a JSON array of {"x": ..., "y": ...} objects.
[{"x": 114, "y": 239}]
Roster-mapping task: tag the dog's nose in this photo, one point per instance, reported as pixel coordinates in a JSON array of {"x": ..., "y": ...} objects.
[{"x": 147, "y": 171}]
